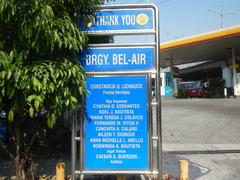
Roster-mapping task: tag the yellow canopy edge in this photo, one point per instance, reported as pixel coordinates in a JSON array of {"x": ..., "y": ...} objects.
[{"x": 222, "y": 33}]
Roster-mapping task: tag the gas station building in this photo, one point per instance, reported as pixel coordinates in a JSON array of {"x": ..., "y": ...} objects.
[{"x": 212, "y": 54}]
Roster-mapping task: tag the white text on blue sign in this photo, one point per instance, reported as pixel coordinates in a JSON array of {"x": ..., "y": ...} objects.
[
  {"x": 118, "y": 59},
  {"x": 119, "y": 20}
]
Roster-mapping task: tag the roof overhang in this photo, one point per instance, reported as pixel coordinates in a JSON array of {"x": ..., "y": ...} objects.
[{"x": 203, "y": 47}]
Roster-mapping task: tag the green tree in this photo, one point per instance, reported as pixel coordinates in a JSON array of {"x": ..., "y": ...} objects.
[{"x": 40, "y": 75}]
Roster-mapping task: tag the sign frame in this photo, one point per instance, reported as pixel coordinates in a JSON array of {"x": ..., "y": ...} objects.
[
  {"x": 148, "y": 133},
  {"x": 155, "y": 159}
]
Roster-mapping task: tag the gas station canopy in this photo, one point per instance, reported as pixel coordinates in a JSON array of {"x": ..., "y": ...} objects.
[{"x": 215, "y": 45}]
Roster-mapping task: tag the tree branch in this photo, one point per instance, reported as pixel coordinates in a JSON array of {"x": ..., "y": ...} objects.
[
  {"x": 26, "y": 152},
  {"x": 6, "y": 150}
]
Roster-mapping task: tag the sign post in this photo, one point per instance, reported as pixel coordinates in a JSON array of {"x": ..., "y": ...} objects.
[{"x": 117, "y": 133}]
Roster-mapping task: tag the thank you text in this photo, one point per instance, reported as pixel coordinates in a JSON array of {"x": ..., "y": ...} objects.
[{"x": 116, "y": 20}]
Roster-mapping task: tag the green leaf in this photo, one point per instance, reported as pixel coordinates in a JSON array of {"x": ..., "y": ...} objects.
[
  {"x": 9, "y": 74},
  {"x": 36, "y": 104},
  {"x": 2, "y": 74},
  {"x": 31, "y": 112},
  {"x": 30, "y": 98},
  {"x": 51, "y": 87},
  {"x": 17, "y": 75},
  {"x": 74, "y": 71},
  {"x": 67, "y": 102},
  {"x": 55, "y": 35},
  {"x": 10, "y": 115},
  {"x": 51, "y": 120},
  {"x": 11, "y": 55},
  {"x": 65, "y": 93},
  {"x": 80, "y": 90},
  {"x": 11, "y": 92},
  {"x": 3, "y": 91},
  {"x": 73, "y": 100},
  {"x": 36, "y": 84}
]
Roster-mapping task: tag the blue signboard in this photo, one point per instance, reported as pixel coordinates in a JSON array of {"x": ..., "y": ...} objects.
[
  {"x": 168, "y": 84},
  {"x": 119, "y": 20},
  {"x": 116, "y": 127},
  {"x": 118, "y": 58}
]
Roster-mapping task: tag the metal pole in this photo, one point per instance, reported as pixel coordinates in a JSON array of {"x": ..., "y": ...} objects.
[
  {"x": 171, "y": 64},
  {"x": 158, "y": 98},
  {"x": 81, "y": 126},
  {"x": 150, "y": 122},
  {"x": 234, "y": 73},
  {"x": 73, "y": 146}
]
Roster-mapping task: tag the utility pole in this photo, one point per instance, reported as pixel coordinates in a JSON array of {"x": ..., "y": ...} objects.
[{"x": 221, "y": 15}]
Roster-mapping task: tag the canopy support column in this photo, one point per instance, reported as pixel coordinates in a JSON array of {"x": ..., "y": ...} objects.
[{"x": 234, "y": 72}]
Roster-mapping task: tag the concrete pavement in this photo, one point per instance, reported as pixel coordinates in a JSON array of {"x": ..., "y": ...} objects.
[
  {"x": 205, "y": 166},
  {"x": 206, "y": 133},
  {"x": 203, "y": 131}
]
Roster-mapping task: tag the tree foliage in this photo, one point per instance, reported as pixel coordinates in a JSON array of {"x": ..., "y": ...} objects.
[
  {"x": 40, "y": 42},
  {"x": 39, "y": 47}
]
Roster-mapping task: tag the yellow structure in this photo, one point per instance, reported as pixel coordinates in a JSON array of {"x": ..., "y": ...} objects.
[
  {"x": 183, "y": 170},
  {"x": 121, "y": 177},
  {"x": 60, "y": 171}
]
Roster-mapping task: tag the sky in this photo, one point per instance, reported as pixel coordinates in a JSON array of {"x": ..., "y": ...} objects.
[{"x": 183, "y": 18}]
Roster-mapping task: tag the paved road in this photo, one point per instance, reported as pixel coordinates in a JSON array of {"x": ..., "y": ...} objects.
[
  {"x": 206, "y": 126},
  {"x": 203, "y": 131}
]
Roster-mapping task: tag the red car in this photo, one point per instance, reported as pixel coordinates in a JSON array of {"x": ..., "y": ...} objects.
[{"x": 197, "y": 91}]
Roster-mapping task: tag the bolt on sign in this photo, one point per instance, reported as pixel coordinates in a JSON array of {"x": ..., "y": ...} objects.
[{"x": 116, "y": 135}]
